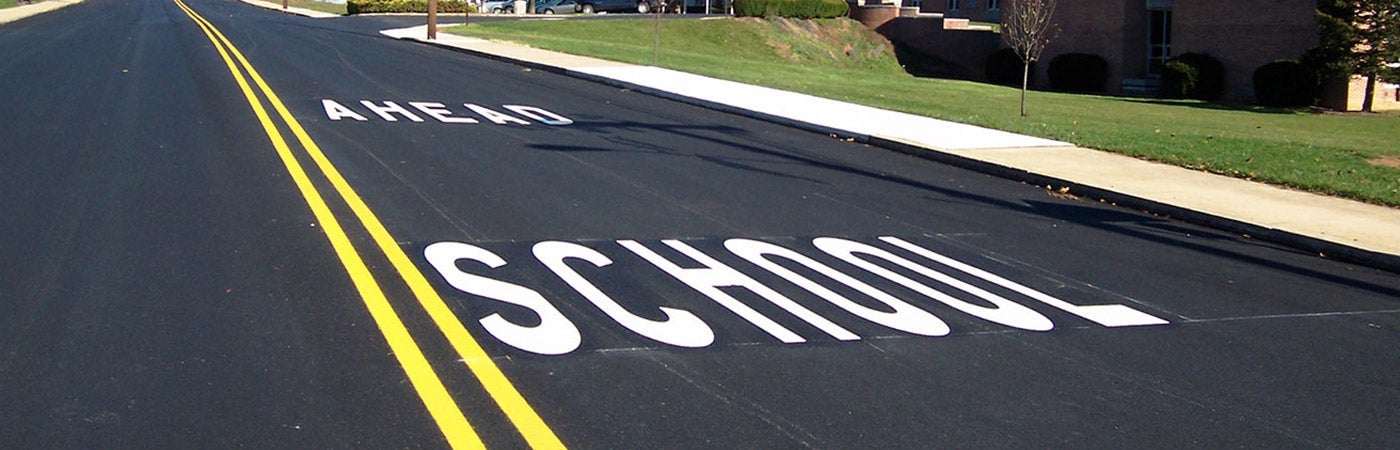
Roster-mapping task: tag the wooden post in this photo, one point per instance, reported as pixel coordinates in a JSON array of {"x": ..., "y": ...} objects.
[{"x": 432, "y": 19}]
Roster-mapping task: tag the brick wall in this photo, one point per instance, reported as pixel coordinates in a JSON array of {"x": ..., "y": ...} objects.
[
  {"x": 873, "y": 17},
  {"x": 1349, "y": 95},
  {"x": 948, "y": 53},
  {"x": 1244, "y": 34},
  {"x": 1113, "y": 29},
  {"x": 967, "y": 9}
]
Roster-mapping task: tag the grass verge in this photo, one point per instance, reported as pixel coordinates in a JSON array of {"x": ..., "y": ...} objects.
[
  {"x": 1335, "y": 154},
  {"x": 333, "y": 8}
]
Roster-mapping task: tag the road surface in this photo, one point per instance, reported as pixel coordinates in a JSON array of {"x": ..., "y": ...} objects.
[{"x": 223, "y": 226}]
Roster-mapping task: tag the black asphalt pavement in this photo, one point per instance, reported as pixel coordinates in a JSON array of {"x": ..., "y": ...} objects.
[{"x": 645, "y": 274}]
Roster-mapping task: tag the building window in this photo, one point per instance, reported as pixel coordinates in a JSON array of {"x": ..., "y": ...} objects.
[
  {"x": 953, "y": 5},
  {"x": 1159, "y": 40},
  {"x": 993, "y": 5}
]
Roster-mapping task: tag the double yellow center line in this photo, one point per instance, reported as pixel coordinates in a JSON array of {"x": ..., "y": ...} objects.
[{"x": 425, "y": 381}]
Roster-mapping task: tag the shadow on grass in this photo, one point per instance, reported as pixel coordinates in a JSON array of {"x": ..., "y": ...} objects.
[
  {"x": 924, "y": 65},
  {"x": 1215, "y": 106}
]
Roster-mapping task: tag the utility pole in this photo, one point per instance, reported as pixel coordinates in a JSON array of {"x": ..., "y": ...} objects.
[
  {"x": 432, "y": 19},
  {"x": 656, "y": 47}
]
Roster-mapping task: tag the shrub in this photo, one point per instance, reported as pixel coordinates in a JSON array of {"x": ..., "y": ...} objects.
[
  {"x": 1078, "y": 72},
  {"x": 1285, "y": 83},
  {"x": 1178, "y": 79},
  {"x": 1004, "y": 67},
  {"x": 1193, "y": 75},
  {"x": 796, "y": 9},
  {"x": 353, "y": 7}
]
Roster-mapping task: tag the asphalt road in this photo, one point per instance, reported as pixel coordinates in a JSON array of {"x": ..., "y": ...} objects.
[{"x": 640, "y": 273}]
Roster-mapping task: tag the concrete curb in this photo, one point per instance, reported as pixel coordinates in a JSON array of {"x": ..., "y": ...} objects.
[
  {"x": 1320, "y": 247},
  {"x": 645, "y": 90},
  {"x": 1302, "y": 242}
]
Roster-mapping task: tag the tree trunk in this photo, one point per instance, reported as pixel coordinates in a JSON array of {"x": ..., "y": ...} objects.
[
  {"x": 1368, "y": 103},
  {"x": 1025, "y": 80}
]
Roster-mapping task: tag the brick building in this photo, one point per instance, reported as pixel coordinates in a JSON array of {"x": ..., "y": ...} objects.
[{"x": 1136, "y": 36}]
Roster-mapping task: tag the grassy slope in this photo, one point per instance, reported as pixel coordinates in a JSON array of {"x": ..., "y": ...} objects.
[{"x": 1321, "y": 153}]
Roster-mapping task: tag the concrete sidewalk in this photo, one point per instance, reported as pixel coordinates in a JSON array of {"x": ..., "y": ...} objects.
[
  {"x": 8, "y": 15},
  {"x": 1334, "y": 227}
]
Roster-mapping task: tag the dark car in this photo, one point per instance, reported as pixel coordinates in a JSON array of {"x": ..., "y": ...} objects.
[{"x": 641, "y": 6}]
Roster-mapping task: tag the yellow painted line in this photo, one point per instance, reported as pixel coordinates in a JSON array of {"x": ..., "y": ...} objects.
[
  {"x": 531, "y": 426},
  {"x": 434, "y": 394}
]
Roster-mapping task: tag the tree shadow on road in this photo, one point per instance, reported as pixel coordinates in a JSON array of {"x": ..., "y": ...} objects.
[{"x": 1113, "y": 219}]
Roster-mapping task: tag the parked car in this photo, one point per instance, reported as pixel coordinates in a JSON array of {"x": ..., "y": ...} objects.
[
  {"x": 641, "y": 6},
  {"x": 498, "y": 7},
  {"x": 555, "y": 6}
]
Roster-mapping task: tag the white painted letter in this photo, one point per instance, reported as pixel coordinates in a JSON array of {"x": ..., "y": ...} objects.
[
  {"x": 499, "y": 118},
  {"x": 905, "y": 317},
  {"x": 439, "y": 111},
  {"x": 707, "y": 280},
  {"x": 1006, "y": 312},
  {"x": 555, "y": 335},
  {"x": 386, "y": 111},
  {"x": 1113, "y": 315},
  {"x": 337, "y": 111},
  {"x": 540, "y": 114},
  {"x": 680, "y": 328}
]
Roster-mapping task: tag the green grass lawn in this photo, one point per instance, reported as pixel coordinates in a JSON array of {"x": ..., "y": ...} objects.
[
  {"x": 995, "y": 26},
  {"x": 1325, "y": 153},
  {"x": 8, "y": 3},
  {"x": 333, "y": 8}
]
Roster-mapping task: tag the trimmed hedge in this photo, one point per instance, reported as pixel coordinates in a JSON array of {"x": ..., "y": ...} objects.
[
  {"x": 1285, "y": 83},
  {"x": 795, "y": 9},
  {"x": 1004, "y": 67},
  {"x": 1193, "y": 75},
  {"x": 353, "y": 7},
  {"x": 1078, "y": 72}
]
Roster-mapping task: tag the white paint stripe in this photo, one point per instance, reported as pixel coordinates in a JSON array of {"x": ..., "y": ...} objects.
[
  {"x": 1293, "y": 316},
  {"x": 1107, "y": 315}
]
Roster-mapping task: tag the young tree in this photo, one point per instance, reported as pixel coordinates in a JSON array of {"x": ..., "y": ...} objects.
[{"x": 1026, "y": 28}]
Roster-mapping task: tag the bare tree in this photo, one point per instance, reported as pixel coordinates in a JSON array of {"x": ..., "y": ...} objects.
[{"x": 1026, "y": 29}]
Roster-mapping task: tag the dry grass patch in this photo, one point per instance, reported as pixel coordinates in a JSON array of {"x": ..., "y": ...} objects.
[{"x": 1386, "y": 161}]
